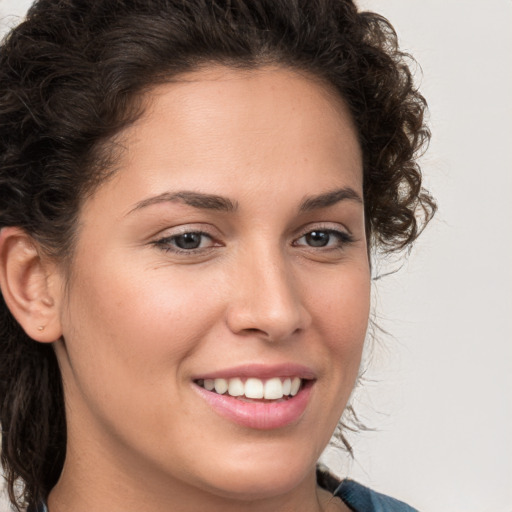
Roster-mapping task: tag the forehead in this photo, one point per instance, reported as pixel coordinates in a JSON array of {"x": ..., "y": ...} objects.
[{"x": 239, "y": 131}]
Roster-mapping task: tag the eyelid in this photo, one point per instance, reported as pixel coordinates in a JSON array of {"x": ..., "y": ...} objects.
[
  {"x": 164, "y": 238},
  {"x": 343, "y": 235},
  {"x": 181, "y": 229},
  {"x": 323, "y": 226}
]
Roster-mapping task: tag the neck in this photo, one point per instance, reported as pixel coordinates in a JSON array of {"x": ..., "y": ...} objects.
[{"x": 83, "y": 493}]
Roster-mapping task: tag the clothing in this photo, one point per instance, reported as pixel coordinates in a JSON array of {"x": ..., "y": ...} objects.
[
  {"x": 362, "y": 499},
  {"x": 356, "y": 496}
]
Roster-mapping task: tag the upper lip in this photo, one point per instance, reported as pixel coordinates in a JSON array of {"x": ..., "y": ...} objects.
[{"x": 260, "y": 371}]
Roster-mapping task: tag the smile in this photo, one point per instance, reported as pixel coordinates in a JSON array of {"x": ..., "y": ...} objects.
[
  {"x": 275, "y": 388},
  {"x": 258, "y": 397}
]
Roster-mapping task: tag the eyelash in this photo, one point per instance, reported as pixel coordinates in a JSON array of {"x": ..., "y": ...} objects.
[
  {"x": 343, "y": 238},
  {"x": 168, "y": 243}
]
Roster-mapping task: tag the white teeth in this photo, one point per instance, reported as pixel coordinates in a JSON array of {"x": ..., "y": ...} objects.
[
  {"x": 271, "y": 389},
  {"x": 236, "y": 387},
  {"x": 253, "y": 388},
  {"x": 287, "y": 386},
  {"x": 295, "y": 386},
  {"x": 221, "y": 386}
]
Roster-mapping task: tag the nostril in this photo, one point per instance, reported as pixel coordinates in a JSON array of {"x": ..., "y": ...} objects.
[{"x": 253, "y": 331}]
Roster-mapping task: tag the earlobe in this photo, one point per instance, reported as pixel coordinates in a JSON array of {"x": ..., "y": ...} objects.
[{"x": 28, "y": 284}]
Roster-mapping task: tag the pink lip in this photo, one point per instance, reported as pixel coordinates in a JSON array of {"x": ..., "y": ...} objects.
[
  {"x": 259, "y": 415},
  {"x": 261, "y": 371}
]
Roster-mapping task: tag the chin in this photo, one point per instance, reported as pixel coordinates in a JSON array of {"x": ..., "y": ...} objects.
[
  {"x": 257, "y": 477},
  {"x": 259, "y": 485}
]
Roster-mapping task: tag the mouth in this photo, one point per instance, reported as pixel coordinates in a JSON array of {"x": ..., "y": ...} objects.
[
  {"x": 252, "y": 388},
  {"x": 260, "y": 398}
]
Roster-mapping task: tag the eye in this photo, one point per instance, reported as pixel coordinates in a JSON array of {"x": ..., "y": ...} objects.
[
  {"x": 184, "y": 242},
  {"x": 324, "y": 238},
  {"x": 189, "y": 240}
]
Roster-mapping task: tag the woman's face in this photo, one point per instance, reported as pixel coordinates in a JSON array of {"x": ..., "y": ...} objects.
[{"x": 229, "y": 245}]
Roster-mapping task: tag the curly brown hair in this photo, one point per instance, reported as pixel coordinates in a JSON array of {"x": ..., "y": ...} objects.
[{"x": 72, "y": 76}]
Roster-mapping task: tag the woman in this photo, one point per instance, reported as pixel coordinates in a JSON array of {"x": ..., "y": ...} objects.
[{"x": 190, "y": 195}]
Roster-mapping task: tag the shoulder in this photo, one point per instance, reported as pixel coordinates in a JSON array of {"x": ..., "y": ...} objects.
[{"x": 362, "y": 499}]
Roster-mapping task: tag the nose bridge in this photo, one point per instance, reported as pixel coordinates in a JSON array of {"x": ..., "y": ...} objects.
[{"x": 266, "y": 297}]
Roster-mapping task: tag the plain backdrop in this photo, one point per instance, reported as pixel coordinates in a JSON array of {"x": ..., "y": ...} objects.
[{"x": 438, "y": 391}]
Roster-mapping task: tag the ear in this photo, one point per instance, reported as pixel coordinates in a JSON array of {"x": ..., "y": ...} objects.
[{"x": 30, "y": 285}]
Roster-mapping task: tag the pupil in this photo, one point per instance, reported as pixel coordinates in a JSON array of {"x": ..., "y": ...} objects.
[
  {"x": 317, "y": 238},
  {"x": 188, "y": 241}
]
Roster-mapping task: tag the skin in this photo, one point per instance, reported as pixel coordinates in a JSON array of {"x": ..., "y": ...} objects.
[{"x": 139, "y": 320}]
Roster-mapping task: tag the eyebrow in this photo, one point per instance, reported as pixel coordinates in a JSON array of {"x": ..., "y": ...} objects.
[
  {"x": 329, "y": 199},
  {"x": 219, "y": 203},
  {"x": 194, "y": 199}
]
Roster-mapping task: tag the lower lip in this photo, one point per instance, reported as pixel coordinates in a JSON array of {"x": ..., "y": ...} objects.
[{"x": 258, "y": 415}]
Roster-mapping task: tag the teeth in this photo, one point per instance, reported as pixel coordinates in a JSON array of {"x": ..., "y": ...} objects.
[
  {"x": 271, "y": 389},
  {"x": 236, "y": 387},
  {"x": 295, "y": 386},
  {"x": 253, "y": 388},
  {"x": 287, "y": 386},
  {"x": 221, "y": 386}
]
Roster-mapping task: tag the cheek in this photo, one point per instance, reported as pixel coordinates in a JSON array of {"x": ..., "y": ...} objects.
[
  {"x": 135, "y": 322},
  {"x": 128, "y": 339},
  {"x": 341, "y": 304},
  {"x": 340, "y": 310}
]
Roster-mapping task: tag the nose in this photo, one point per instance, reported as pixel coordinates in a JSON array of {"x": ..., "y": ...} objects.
[{"x": 265, "y": 298}]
